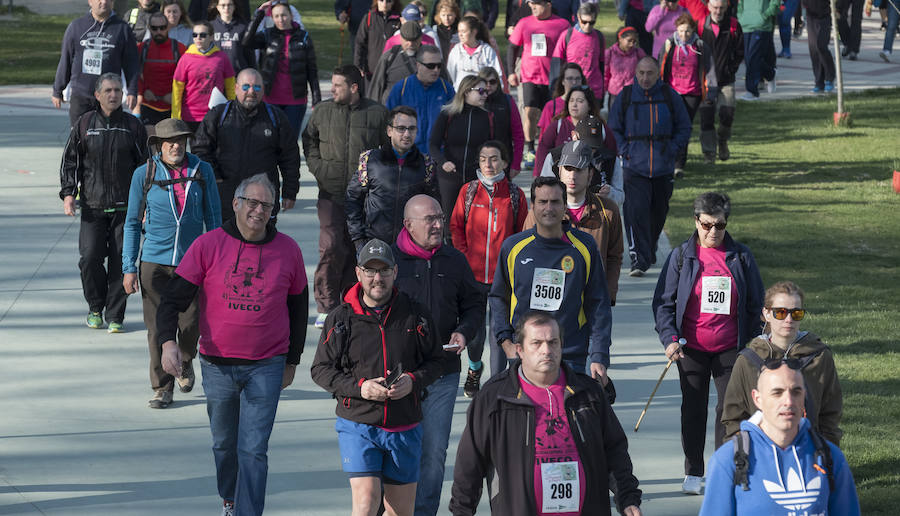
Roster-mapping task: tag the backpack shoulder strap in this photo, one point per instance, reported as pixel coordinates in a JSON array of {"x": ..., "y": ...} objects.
[
  {"x": 272, "y": 117},
  {"x": 569, "y": 36},
  {"x": 175, "y": 54},
  {"x": 752, "y": 357},
  {"x": 471, "y": 190},
  {"x": 145, "y": 49},
  {"x": 514, "y": 200},
  {"x": 823, "y": 451},
  {"x": 741, "y": 442},
  {"x": 148, "y": 183},
  {"x": 225, "y": 112}
]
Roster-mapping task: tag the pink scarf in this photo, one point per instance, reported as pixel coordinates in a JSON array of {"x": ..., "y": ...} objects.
[{"x": 408, "y": 246}]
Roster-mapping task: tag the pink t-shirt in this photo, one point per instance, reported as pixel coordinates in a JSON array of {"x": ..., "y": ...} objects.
[
  {"x": 710, "y": 332},
  {"x": 179, "y": 188},
  {"x": 538, "y": 37},
  {"x": 243, "y": 293},
  {"x": 553, "y": 440},
  {"x": 282, "y": 93},
  {"x": 200, "y": 74},
  {"x": 576, "y": 213},
  {"x": 685, "y": 73},
  {"x": 586, "y": 50}
]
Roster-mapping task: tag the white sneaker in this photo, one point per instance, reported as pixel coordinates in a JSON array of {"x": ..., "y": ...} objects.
[
  {"x": 320, "y": 321},
  {"x": 771, "y": 86},
  {"x": 228, "y": 509},
  {"x": 748, "y": 97},
  {"x": 692, "y": 485}
]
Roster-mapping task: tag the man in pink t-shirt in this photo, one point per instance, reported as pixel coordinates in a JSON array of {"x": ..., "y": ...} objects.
[
  {"x": 251, "y": 288},
  {"x": 533, "y": 39},
  {"x": 546, "y": 433}
]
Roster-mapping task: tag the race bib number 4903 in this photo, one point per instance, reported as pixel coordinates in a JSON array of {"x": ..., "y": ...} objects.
[
  {"x": 92, "y": 61},
  {"x": 547, "y": 289},
  {"x": 560, "y": 487}
]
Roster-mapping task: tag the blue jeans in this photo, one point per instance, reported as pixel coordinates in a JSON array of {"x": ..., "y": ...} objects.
[
  {"x": 784, "y": 23},
  {"x": 759, "y": 59},
  {"x": 437, "y": 414},
  {"x": 295, "y": 114},
  {"x": 893, "y": 21},
  {"x": 241, "y": 401}
]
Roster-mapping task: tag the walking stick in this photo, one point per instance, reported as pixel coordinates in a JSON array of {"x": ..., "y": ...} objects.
[
  {"x": 681, "y": 343},
  {"x": 342, "y": 29}
]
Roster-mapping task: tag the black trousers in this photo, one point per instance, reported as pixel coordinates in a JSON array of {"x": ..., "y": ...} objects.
[
  {"x": 695, "y": 370},
  {"x": 99, "y": 243},
  {"x": 80, "y": 105},
  {"x": 691, "y": 102},
  {"x": 154, "y": 279},
  {"x": 850, "y": 23},
  {"x": 646, "y": 207},
  {"x": 818, "y": 32},
  {"x": 152, "y": 117}
]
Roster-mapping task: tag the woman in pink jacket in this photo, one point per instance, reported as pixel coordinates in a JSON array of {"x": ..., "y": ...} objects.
[
  {"x": 621, "y": 60},
  {"x": 202, "y": 69},
  {"x": 661, "y": 22},
  {"x": 580, "y": 104}
]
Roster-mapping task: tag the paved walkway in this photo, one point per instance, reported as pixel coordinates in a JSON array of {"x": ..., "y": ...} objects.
[{"x": 76, "y": 436}]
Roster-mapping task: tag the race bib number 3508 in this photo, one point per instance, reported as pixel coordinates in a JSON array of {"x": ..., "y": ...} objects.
[{"x": 547, "y": 289}]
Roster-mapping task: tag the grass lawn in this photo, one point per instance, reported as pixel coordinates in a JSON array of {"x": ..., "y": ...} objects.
[{"x": 814, "y": 204}]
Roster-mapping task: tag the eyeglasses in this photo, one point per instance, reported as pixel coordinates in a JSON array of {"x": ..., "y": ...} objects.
[
  {"x": 256, "y": 203},
  {"x": 404, "y": 128},
  {"x": 589, "y": 22},
  {"x": 481, "y": 91},
  {"x": 430, "y": 220},
  {"x": 709, "y": 225},
  {"x": 775, "y": 363},
  {"x": 386, "y": 272},
  {"x": 256, "y": 87},
  {"x": 781, "y": 314},
  {"x": 430, "y": 66},
  {"x": 572, "y": 79},
  {"x": 159, "y": 27},
  {"x": 200, "y": 34}
]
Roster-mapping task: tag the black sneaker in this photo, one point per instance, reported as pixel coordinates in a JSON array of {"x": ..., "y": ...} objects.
[
  {"x": 473, "y": 382},
  {"x": 186, "y": 380}
]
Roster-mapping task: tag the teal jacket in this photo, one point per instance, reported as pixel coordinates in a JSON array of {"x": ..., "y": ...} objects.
[
  {"x": 167, "y": 234},
  {"x": 758, "y": 15}
]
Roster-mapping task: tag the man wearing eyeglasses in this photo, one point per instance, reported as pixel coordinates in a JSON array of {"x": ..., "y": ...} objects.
[
  {"x": 251, "y": 290},
  {"x": 426, "y": 91},
  {"x": 386, "y": 178},
  {"x": 378, "y": 352},
  {"x": 778, "y": 464},
  {"x": 439, "y": 277},
  {"x": 159, "y": 57},
  {"x": 247, "y": 136}
]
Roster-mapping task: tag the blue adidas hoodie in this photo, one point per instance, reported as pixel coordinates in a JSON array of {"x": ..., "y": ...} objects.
[
  {"x": 167, "y": 233},
  {"x": 782, "y": 481}
]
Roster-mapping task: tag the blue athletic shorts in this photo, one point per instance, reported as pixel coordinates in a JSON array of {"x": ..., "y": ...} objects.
[{"x": 368, "y": 451}]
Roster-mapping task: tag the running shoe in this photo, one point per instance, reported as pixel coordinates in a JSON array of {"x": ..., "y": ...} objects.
[
  {"x": 528, "y": 159},
  {"x": 473, "y": 382},
  {"x": 161, "y": 399},
  {"x": 829, "y": 87},
  {"x": 187, "y": 378},
  {"x": 320, "y": 321},
  {"x": 636, "y": 272},
  {"x": 95, "y": 320},
  {"x": 885, "y": 55},
  {"x": 692, "y": 485},
  {"x": 114, "y": 327},
  {"x": 748, "y": 97},
  {"x": 227, "y": 508}
]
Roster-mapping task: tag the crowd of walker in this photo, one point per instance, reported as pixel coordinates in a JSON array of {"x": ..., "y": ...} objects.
[{"x": 427, "y": 248}]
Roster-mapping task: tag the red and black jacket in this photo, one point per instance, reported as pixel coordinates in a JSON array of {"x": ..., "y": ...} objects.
[{"x": 357, "y": 345}]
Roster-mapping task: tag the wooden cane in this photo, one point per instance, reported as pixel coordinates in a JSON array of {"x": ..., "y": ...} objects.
[{"x": 681, "y": 343}]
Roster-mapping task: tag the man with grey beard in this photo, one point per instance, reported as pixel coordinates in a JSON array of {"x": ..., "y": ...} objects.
[{"x": 397, "y": 63}]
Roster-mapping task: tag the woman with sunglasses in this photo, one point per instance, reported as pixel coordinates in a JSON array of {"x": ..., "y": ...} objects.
[
  {"x": 709, "y": 294},
  {"x": 461, "y": 127},
  {"x": 782, "y": 341},
  {"x": 380, "y": 23},
  {"x": 472, "y": 53},
  {"x": 580, "y": 103},
  {"x": 507, "y": 121},
  {"x": 287, "y": 62},
  {"x": 201, "y": 70},
  {"x": 570, "y": 76}
]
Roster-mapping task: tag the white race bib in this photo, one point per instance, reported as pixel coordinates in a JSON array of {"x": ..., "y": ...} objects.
[
  {"x": 92, "y": 61},
  {"x": 547, "y": 289},
  {"x": 716, "y": 295},
  {"x": 538, "y": 45},
  {"x": 560, "y": 486}
]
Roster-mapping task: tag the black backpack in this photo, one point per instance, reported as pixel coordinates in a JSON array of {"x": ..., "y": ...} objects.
[{"x": 741, "y": 442}]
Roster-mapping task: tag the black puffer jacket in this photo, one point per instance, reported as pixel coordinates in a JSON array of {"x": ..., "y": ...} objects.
[
  {"x": 456, "y": 138},
  {"x": 374, "y": 31},
  {"x": 498, "y": 444},
  {"x": 377, "y": 195},
  {"x": 100, "y": 157},
  {"x": 302, "y": 57},
  {"x": 446, "y": 286},
  {"x": 357, "y": 345}
]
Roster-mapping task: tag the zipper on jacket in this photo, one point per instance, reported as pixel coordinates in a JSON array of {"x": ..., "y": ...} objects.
[
  {"x": 487, "y": 248},
  {"x": 384, "y": 367},
  {"x": 466, "y": 150}
]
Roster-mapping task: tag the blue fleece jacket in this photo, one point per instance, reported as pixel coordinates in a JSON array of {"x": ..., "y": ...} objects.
[
  {"x": 426, "y": 101},
  {"x": 584, "y": 315},
  {"x": 783, "y": 482},
  {"x": 167, "y": 234},
  {"x": 650, "y": 135}
]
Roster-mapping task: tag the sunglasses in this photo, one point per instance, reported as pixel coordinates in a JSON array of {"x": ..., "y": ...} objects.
[
  {"x": 589, "y": 22},
  {"x": 709, "y": 225},
  {"x": 493, "y": 82},
  {"x": 775, "y": 363},
  {"x": 781, "y": 314},
  {"x": 256, "y": 87},
  {"x": 159, "y": 27},
  {"x": 430, "y": 66},
  {"x": 200, "y": 34},
  {"x": 481, "y": 91}
]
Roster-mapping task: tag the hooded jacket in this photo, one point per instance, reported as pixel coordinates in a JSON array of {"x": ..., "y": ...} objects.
[
  {"x": 357, "y": 345},
  {"x": 302, "y": 67},
  {"x": 378, "y": 193},
  {"x": 676, "y": 285},
  {"x": 100, "y": 157},
  {"x": 650, "y": 137},
  {"x": 620, "y": 67},
  {"x": 195, "y": 77},
  {"x": 498, "y": 444},
  {"x": 783, "y": 482},
  {"x": 229, "y": 37},
  {"x": 112, "y": 38},
  {"x": 336, "y": 135},
  {"x": 821, "y": 382},
  {"x": 168, "y": 233},
  {"x": 758, "y": 15}
]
